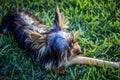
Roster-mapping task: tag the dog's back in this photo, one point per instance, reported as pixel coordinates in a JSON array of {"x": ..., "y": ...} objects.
[
  {"x": 22, "y": 25},
  {"x": 18, "y": 22}
]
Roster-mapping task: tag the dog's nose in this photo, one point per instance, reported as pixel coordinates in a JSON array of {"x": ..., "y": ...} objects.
[{"x": 78, "y": 52}]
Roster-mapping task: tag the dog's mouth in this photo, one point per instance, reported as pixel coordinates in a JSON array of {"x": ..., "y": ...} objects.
[
  {"x": 75, "y": 53},
  {"x": 72, "y": 55}
]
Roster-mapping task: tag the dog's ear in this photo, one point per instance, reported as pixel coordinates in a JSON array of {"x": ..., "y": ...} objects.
[{"x": 58, "y": 21}]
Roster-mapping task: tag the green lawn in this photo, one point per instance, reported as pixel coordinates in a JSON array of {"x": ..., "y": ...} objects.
[{"x": 98, "y": 22}]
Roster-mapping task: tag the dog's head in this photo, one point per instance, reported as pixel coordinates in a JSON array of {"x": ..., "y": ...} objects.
[{"x": 62, "y": 40}]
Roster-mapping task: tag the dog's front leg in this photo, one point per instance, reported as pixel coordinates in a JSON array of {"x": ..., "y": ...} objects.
[{"x": 59, "y": 70}]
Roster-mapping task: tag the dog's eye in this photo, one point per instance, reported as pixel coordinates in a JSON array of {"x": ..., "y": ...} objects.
[{"x": 71, "y": 45}]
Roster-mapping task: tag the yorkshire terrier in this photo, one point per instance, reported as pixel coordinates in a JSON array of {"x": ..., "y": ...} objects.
[{"x": 50, "y": 48}]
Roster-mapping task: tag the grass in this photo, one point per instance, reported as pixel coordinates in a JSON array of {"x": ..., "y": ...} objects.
[{"x": 98, "y": 22}]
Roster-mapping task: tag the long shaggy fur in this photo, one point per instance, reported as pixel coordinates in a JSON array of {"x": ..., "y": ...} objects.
[{"x": 50, "y": 48}]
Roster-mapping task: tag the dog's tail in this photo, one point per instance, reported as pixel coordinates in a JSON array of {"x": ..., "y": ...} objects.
[
  {"x": 6, "y": 19},
  {"x": 87, "y": 60},
  {"x": 4, "y": 25}
]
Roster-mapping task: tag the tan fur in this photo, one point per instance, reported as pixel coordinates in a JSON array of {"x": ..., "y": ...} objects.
[
  {"x": 60, "y": 18},
  {"x": 36, "y": 36},
  {"x": 36, "y": 39}
]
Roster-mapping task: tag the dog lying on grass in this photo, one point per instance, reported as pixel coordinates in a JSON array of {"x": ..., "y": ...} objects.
[{"x": 54, "y": 48}]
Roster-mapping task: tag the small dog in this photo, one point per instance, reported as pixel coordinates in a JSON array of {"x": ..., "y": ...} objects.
[
  {"x": 50, "y": 48},
  {"x": 54, "y": 48}
]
